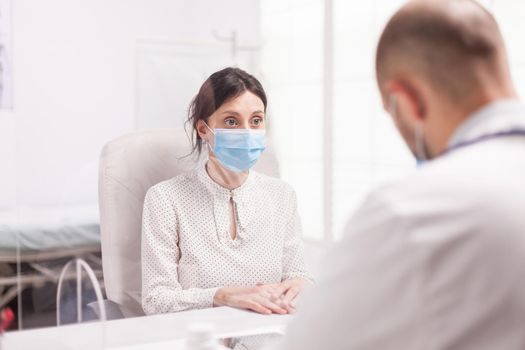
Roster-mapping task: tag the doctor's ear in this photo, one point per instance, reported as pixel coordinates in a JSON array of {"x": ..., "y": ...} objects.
[{"x": 405, "y": 97}]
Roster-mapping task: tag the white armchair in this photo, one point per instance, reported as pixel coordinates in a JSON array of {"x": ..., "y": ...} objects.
[{"x": 129, "y": 166}]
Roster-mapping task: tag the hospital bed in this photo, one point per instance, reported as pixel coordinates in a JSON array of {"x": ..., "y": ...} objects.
[{"x": 42, "y": 240}]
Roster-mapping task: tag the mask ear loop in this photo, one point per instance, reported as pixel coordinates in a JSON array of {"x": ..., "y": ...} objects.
[
  {"x": 420, "y": 143},
  {"x": 213, "y": 132},
  {"x": 206, "y": 141},
  {"x": 393, "y": 105},
  {"x": 421, "y": 152}
]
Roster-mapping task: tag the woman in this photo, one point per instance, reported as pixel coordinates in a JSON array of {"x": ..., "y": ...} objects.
[{"x": 223, "y": 234}]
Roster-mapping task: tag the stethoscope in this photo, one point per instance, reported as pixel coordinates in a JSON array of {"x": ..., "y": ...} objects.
[{"x": 487, "y": 137}]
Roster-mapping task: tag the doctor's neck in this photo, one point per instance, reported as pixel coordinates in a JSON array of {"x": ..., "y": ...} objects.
[
  {"x": 451, "y": 114},
  {"x": 441, "y": 127},
  {"x": 224, "y": 177}
]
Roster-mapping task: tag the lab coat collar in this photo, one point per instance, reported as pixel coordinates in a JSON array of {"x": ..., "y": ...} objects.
[{"x": 500, "y": 116}]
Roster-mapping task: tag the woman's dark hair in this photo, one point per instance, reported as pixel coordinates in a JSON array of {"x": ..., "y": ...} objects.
[{"x": 219, "y": 88}]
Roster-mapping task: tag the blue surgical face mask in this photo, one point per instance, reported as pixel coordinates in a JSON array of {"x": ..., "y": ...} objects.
[{"x": 238, "y": 149}]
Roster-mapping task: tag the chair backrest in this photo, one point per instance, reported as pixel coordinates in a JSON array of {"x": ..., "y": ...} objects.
[{"x": 129, "y": 166}]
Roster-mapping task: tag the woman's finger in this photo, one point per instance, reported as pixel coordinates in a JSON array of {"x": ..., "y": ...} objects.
[
  {"x": 267, "y": 303},
  {"x": 273, "y": 292},
  {"x": 290, "y": 295},
  {"x": 254, "y": 306},
  {"x": 277, "y": 291},
  {"x": 291, "y": 309}
]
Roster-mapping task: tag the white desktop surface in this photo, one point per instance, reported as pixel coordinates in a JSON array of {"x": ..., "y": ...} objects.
[{"x": 151, "y": 332}]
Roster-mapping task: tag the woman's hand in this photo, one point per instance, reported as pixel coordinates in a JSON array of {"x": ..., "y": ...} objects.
[
  {"x": 292, "y": 289},
  {"x": 264, "y": 298}
]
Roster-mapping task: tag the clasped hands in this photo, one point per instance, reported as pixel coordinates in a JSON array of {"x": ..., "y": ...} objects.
[{"x": 279, "y": 298}]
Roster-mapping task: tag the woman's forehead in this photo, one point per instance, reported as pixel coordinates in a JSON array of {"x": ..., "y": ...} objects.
[{"x": 246, "y": 102}]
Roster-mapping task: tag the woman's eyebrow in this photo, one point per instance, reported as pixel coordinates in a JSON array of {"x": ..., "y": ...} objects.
[
  {"x": 230, "y": 112},
  {"x": 258, "y": 112}
]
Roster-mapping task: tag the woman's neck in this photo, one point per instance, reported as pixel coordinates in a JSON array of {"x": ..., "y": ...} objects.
[{"x": 224, "y": 177}]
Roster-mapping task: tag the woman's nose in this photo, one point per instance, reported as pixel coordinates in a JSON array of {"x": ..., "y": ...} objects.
[{"x": 244, "y": 125}]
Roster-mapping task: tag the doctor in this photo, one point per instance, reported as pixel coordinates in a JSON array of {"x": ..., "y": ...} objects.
[{"x": 437, "y": 260}]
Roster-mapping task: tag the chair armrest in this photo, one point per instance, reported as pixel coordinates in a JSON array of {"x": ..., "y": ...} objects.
[{"x": 113, "y": 311}]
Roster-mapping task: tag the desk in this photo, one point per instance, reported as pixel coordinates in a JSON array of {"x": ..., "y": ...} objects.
[{"x": 140, "y": 333}]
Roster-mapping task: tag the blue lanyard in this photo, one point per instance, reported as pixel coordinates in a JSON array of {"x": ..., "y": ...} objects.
[{"x": 510, "y": 133}]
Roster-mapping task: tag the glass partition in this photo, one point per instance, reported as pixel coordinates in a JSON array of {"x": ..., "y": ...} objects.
[
  {"x": 87, "y": 72},
  {"x": 102, "y": 71}
]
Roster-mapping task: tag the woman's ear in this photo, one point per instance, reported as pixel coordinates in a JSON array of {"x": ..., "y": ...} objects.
[{"x": 202, "y": 130}]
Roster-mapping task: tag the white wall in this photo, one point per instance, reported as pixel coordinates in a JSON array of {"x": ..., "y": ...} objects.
[{"x": 74, "y": 78}]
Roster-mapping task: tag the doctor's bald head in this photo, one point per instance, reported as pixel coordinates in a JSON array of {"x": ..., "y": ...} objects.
[
  {"x": 440, "y": 57},
  {"x": 455, "y": 45}
]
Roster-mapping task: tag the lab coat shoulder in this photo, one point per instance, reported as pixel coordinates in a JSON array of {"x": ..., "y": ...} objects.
[
  {"x": 453, "y": 201},
  {"x": 453, "y": 194},
  {"x": 422, "y": 253}
]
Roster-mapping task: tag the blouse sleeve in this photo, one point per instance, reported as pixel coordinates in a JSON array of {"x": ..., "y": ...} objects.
[
  {"x": 161, "y": 290},
  {"x": 293, "y": 256}
]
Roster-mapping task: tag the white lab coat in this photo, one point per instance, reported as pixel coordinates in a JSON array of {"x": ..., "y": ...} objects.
[{"x": 435, "y": 261}]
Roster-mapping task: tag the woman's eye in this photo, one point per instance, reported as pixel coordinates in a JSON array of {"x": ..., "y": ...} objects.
[
  {"x": 230, "y": 122},
  {"x": 257, "y": 121}
]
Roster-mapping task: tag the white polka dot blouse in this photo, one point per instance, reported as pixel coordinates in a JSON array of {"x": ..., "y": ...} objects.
[{"x": 188, "y": 252}]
